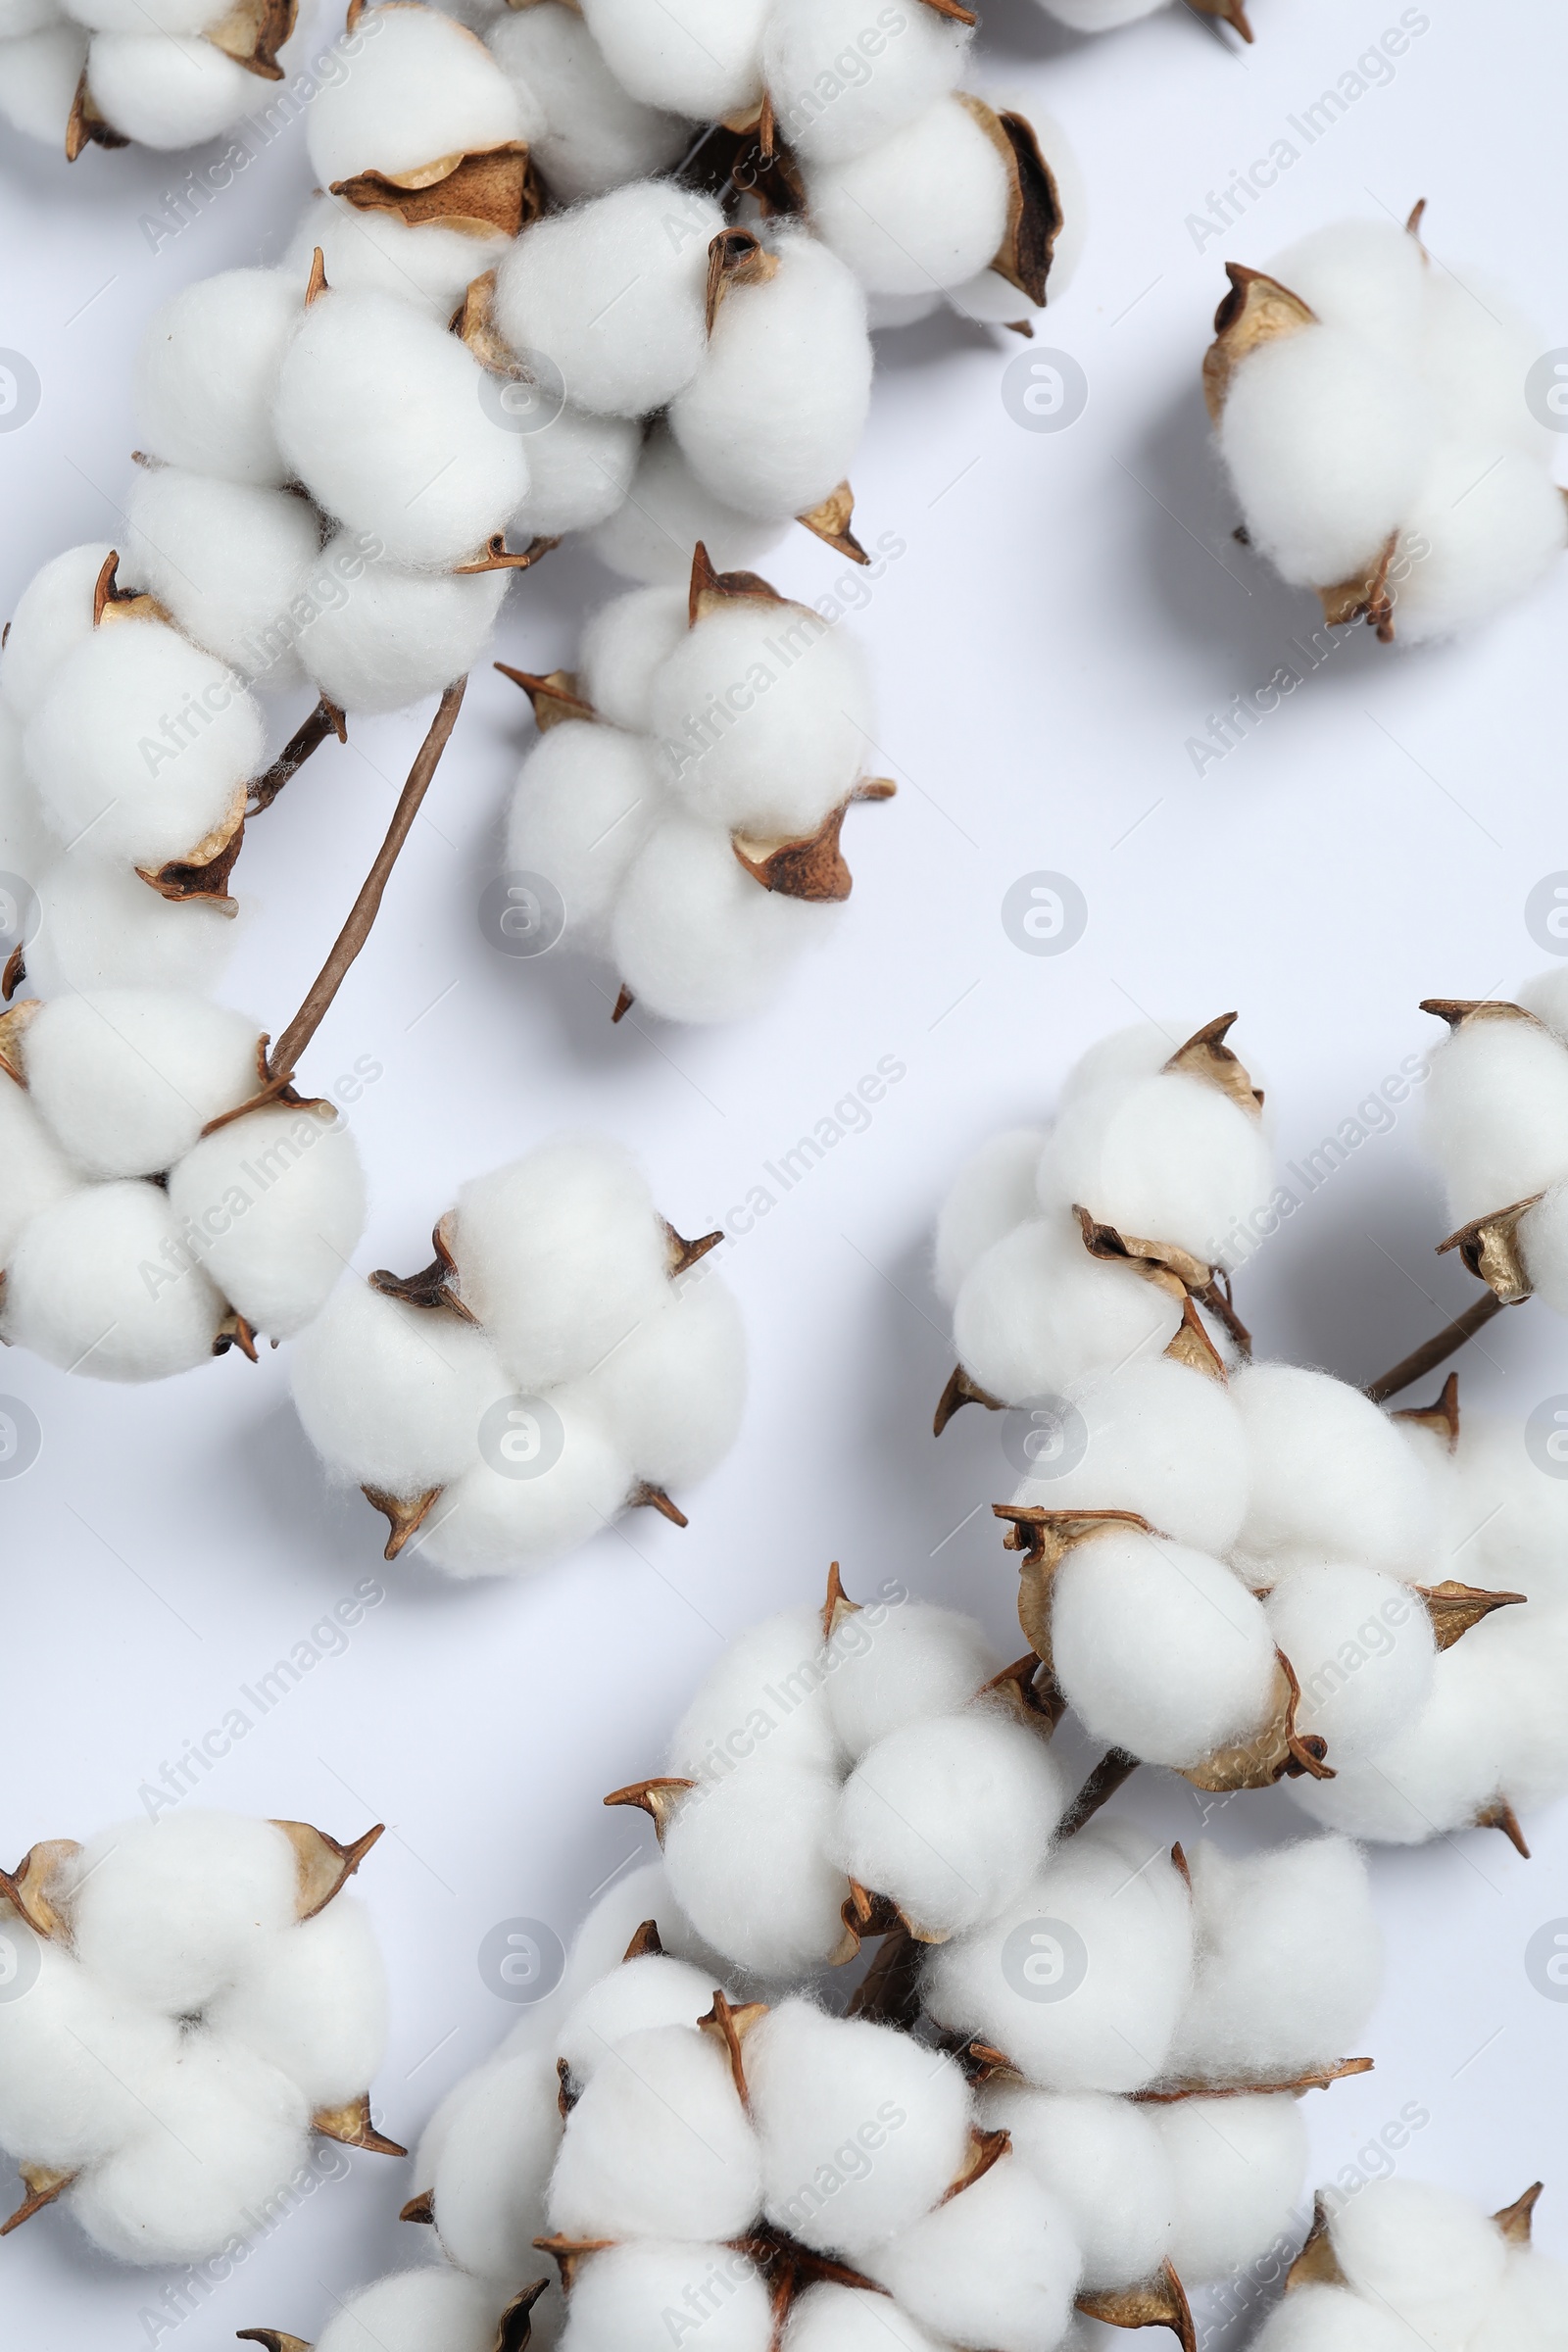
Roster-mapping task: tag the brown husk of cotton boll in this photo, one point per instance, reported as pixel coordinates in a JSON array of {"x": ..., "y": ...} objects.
[
  {"x": 1257, "y": 311},
  {"x": 85, "y": 126},
  {"x": 1034, "y": 201},
  {"x": 252, "y": 32},
  {"x": 1489, "y": 1245},
  {"x": 490, "y": 191},
  {"x": 1161, "y": 2302},
  {"x": 553, "y": 697},
  {"x": 14, "y": 1027},
  {"x": 1317, "y": 2264},
  {"x": 1207, "y": 1056}
]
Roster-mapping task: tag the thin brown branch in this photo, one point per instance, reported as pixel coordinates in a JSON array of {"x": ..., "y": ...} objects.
[
  {"x": 325, "y": 720},
  {"x": 1436, "y": 1349},
  {"x": 356, "y": 930},
  {"x": 1115, "y": 1767}
]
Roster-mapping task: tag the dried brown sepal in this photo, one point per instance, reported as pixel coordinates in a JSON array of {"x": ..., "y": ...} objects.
[
  {"x": 498, "y": 557},
  {"x": 710, "y": 590},
  {"x": 43, "y": 2186},
  {"x": 324, "y": 1867},
  {"x": 1190, "y": 1344},
  {"x": 1364, "y": 596},
  {"x": 269, "y": 1089},
  {"x": 1312, "y": 2077},
  {"x": 889, "y": 1993},
  {"x": 829, "y": 521},
  {"x": 1034, "y": 201},
  {"x": 961, "y": 1390},
  {"x": 570, "y": 2253},
  {"x": 1275, "y": 1753},
  {"x": 1229, "y": 12},
  {"x": 623, "y": 1004},
  {"x": 1046, "y": 1537},
  {"x": 350, "y": 2125},
  {"x": 496, "y": 191},
  {"x": 1459, "y": 1012},
  {"x": 553, "y": 697},
  {"x": 252, "y": 32},
  {"x": 1317, "y": 2264},
  {"x": 1257, "y": 310},
  {"x": 1502, "y": 1816},
  {"x": 865, "y": 1915},
  {"x": 515, "y": 2328},
  {"x": 420, "y": 2209},
  {"x": 1166, "y": 1264},
  {"x": 14, "y": 1027},
  {"x": 684, "y": 1254},
  {"x": 658, "y": 1798},
  {"x": 838, "y": 1605},
  {"x": 25, "y": 1888},
  {"x": 1161, "y": 2302},
  {"x": 85, "y": 125},
  {"x": 809, "y": 867},
  {"x": 1031, "y": 1697},
  {"x": 645, "y": 1943},
  {"x": 236, "y": 1332},
  {"x": 1208, "y": 1056},
  {"x": 1454, "y": 1608},
  {"x": 1181, "y": 1865},
  {"x": 15, "y": 973},
  {"x": 646, "y": 1496},
  {"x": 1414, "y": 219},
  {"x": 953, "y": 10},
  {"x": 985, "y": 2149},
  {"x": 729, "y": 2022},
  {"x": 983, "y": 2062},
  {"x": 736, "y": 258},
  {"x": 438, "y": 1286},
  {"x": 315, "y": 284},
  {"x": 1442, "y": 1417},
  {"x": 1514, "y": 2221},
  {"x": 325, "y": 720},
  {"x": 111, "y": 602},
  {"x": 473, "y": 324},
  {"x": 272, "y": 2340},
  {"x": 1490, "y": 1247},
  {"x": 567, "y": 2092},
  {"x": 405, "y": 1514},
  {"x": 204, "y": 873}
]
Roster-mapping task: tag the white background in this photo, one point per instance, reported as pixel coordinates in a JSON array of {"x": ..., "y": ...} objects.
[{"x": 1069, "y": 611}]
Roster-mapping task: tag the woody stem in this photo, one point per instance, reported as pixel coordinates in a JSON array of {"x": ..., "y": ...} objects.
[
  {"x": 1115, "y": 1767},
  {"x": 1436, "y": 1351},
  {"x": 322, "y": 721}
]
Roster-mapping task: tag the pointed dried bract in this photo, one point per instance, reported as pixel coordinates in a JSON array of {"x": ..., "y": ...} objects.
[
  {"x": 1442, "y": 1416},
  {"x": 204, "y": 871},
  {"x": 1365, "y": 595},
  {"x": 570, "y": 2253},
  {"x": 1034, "y": 203},
  {"x": 1317, "y": 2264},
  {"x": 1166, "y": 1264},
  {"x": 252, "y": 32},
  {"x": 1190, "y": 1344},
  {"x": 1311, "y": 2078},
  {"x": 625, "y": 1002},
  {"x": 111, "y": 602},
  {"x": 273, "y": 2340},
  {"x": 14, "y": 1026},
  {"x": 43, "y": 2186},
  {"x": 710, "y": 590},
  {"x": 646, "y": 1943},
  {"x": 1044, "y": 1538},
  {"x": 830, "y": 518},
  {"x": 865, "y": 1915},
  {"x": 316, "y": 285},
  {"x": 810, "y": 866},
  {"x": 985, "y": 2149},
  {"x": 1514, "y": 2221},
  {"x": 473, "y": 324},
  {"x": 736, "y": 258},
  {"x": 553, "y": 697},
  {"x": 351, "y": 2124},
  {"x": 16, "y": 971},
  {"x": 498, "y": 557},
  {"x": 1461, "y": 1012},
  {"x": 494, "y": 192},
  {"x": 953, "y": 10},
  {"x": 1257, "y": 310},
  {"x": 437, "y": 1287},
  {"x": 1207, "y": 1056},
  {"x": 658, "y": 1798},
  {"x": 323, "y": 1866},
  {"x": 1277, "y": 1752},
  {"x": 1502, "y": 1816},
  {"x": 1161, "y": 2302},
  {"x": 1454, "y": 1608},
  {"x": 405, "y": 1514},
  {"x": 1230, "y": 12},
  {"x": 236, "y": 1332},
  {"x": 1029, "y": 1693},
  {"x": 420, "y": 2209},
  {"x": 26, "y": 1888},
  {"x": 838, "y": 1605},
  {"x": 729, "y": 2022},
  {"x": 1490, "y": 1247},
  {"x": 515, "y": 2328},
  {"x": 961, "y": 1390},
  {"x": 646, "y": 1496},
  {"x": 85, "y": 125},
  {"x": 684, "y": 1254}
]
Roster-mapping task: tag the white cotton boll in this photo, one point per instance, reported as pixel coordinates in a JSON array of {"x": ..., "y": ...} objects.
[
  {"x": 668, "y": 510},
  {"x": 1167, "y": 1159},
  {"x": 1542, "y": 1234},
  {"x": 1526, "y": 2315},
  {"x": 37, "y": 1172},
  {"x": 1159, "y": 1649},
  {"x": 128, "y": 1079},
  {"x": 318, "y": 2008},
  {"x": 700, "y": 58},
  {"x": 1036, "y": 1313},
  {"x": 171, "y": 91},
  {"x": 672, "y": 1394},
  {"x": 927, "y": 207},
  {"x": 95, "y": 1286},
  {"x": 1140, "y": 1050},
  {"x": 1496, "y": 1114},
  {"x": 277, "y": 1199},
  {"x": 1331, "y": 1476},
  {"x": 53, "y": 615},
  {"x": 620, "y": 2299},
  {"x": 600, "y": 1944},
  {"x": 77, "y": 2064},
  {"x": 595, "y": 135},
  {"x": 1544, "y": 994},
  {"x": 1368, "y": 277},
  {"x": 1159, "y": 1439},
  {"x": 1238, "y": 2166},
  {"x": 1105, "y": 2163},
  {"x": 562, "y": 1254},
  {"x": 1326, "y": 441},
  {"x": 1362, "y": 1648},
  {"x": 695, "y": 936},
  {"x": 414, "y": 87},
  {"x": 771, "y": 419},
  {"x": 227, "y": 560},
  {"x": 794, "y": 718},
  {"x": 489, "y": 1522},
  {"x": 950, "y": 1817},
  {"x": 767, "y": 1697},
  {"x": 1505, "y": 1526},
  {"x": 18, "y": 16},
  {"x": 992, "y": 1192},
  {"x": 383, "y": 637},
  {"x": 659, "y": 2144},
  {"x": 879, "y": 77},
  {"x": 845, "y": 2318},
  {"x": 390, "y": 1396},
  {"x": 614, "y": 293},
  {"x": 489, "y": 2179},
  {"x": 1476, "y": 350},
  {"x": 427, "y": 266},
  {"x": 1482, "y": 533},
  {"x": 746, "y": 1863},
  {"x": 626, "y": 642},
  {"x": 861, "y": 2130},
  {"x": 1289, "y": 1961},
  {"x": 899, "y": 1665},
  {"x": 579, "y": 470},
  {"x": 157, "y": 15},
  {"x": 414, "y": 2311},
  {"x": 39, "y": 74},
  {"x": 586, "y": 798},
  {"x": 1091, "y": 2010},
  {"x": 1438, "y": 1773},
  {"x": 1423, "y": 2255},
  {"x": 994, "y": 2269},
  {"x": 1328, "y": 2319},
  {"x": 1526, "y": 1652},
  {"x": 381, "y": 414},
  {"x": 206, "y": 372},
  {"x": 171, "y": 1912},
  {"x": 638, "y": 1997},
  {"x": 27, "y": 845},
  {"x": 100, "y": 926},
  {"x": 145, "y": 741}
]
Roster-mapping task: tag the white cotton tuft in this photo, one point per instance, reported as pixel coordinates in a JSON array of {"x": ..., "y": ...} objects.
[
  {"x": 413, "y": 88},
  {"x": 771, "y": 418},
  {"x": 414, "y": 2311},
  {"x": 1362, "y": 1647},
  {"x": 38, "y": 1171},
  {"x": 1483, "y": 530},
  {"x": 171, "y": 1912},
  {"x": 695, "y": 936},
  {"x": 318, "y": 2010},
  {"x": 767, "y": 1697},
  {"x": 102, "y": 1284},
  {"x": 39, "y": 76},
  {"x": 1328, "y": 2319},
  {"x": 1441, "y": 1771},
  {"x": 1331, "y": 1476},
  {"x": 383, "y": 637},
  {"x": 585, "y": 802},
  {"x": 1156, "y": 1437},
  {"x": 158, "y": 16},
  {"x": 700, "y": 58},
  {"x": 77, "y": 2065},
  {"x": 278, "y": 1201},
  {"x": 996, "y": 2266},
  {"x": 878, "y": 76},
  {"x": 626, "y": 642},
  {"x": 173, "y": 92},
  {"x": 595, "y": 135},
  {"x": 621, "y": 2298},
  {"x": 1506, "y": 1525},
  {"x": 659, "y": 2144},
  {"x": 26, "y": 846},
  {"x": 491, "y": 2171},
  {"x": 896, "y": 1665},
  {"x": 613, "y": 293},
  {"x": 746, "y": 1863},
  {"x": 100, "y": 926},
  {"x": 128, "y": 1079},
  {"x": 1421, "y": 2254},
  {"x": 845, "y": 2318},
  {"x": 382, "y": 416},
  {"x": 1105, "y": 2160},
  {"x": 53, "y": 615},
  {"x": 1543, "y": 1235},
  {"x": 672, "y": 1394},
  {"x": 668, "y": 510},
  {"x": 1036, "y": 1314},
  {"x": 1168, "y": 1158},
  {"x": 227, "y": 560},
  {"x": 1368, "y": 277},
  {"x": 640, "y": 1996},
  {"x": 1238, "y": 2166},
  {"x": 206, "y": 372},
  {"x": 489, "y": 1522},
  {"x": 795, "y": 717},
  {"x": 390, "y": 1396},
  {"x": 992, "y": 1192},
  {"x": 1526, "y": 2314},
  {"x": 925, "y": 208},
  {"x": 427, "y": 266},
  {"x": 1159, "y": 1649},
  {"x": 1496, "y": 1114},
  {"x": 580, "y": 468}
]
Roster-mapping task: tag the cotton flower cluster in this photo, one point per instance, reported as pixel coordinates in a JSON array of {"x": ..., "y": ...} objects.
[
  {"x": 1405, "y": 2263},
  {"x": 1240, "y": 1570},
  {"x": 1107, "y": 16},
  {"x": 680, "y": 815},
  {"x": 162, "y": 73},
  {"x": 187, "y": 2001},
  {"x": 556, "y": 1364},
  {"x": 1374, "y": 417}
]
